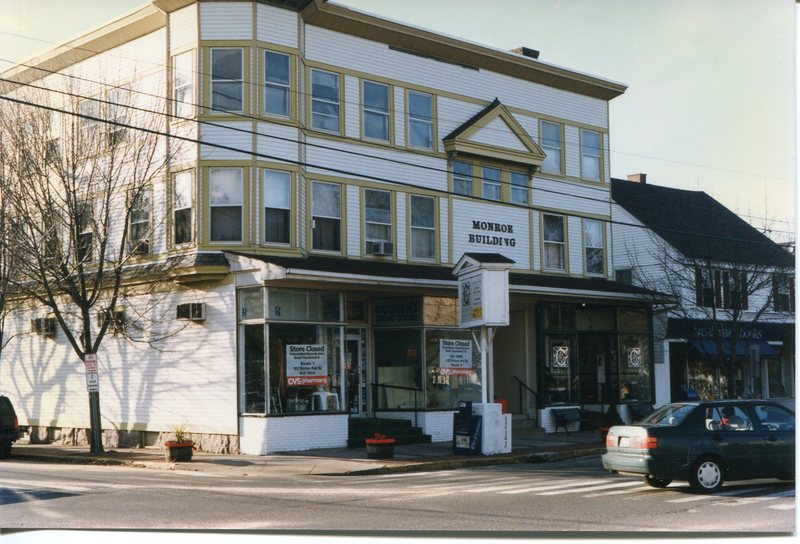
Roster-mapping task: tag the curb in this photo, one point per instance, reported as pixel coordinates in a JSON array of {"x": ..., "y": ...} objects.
[
  {"x": 425, "y": 466},
  {"x": 88, "y": 460}
]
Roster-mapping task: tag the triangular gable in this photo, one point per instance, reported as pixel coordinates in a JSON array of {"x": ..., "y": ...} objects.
[{"x": 494, "y": 132}]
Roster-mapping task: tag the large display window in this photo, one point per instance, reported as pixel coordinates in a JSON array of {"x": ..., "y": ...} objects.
[
  {"x": 291, "y": 351},
  {"x": 452, "y": 368}
]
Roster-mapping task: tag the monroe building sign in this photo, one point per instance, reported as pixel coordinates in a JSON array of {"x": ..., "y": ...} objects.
[{"x": 492, "y": 234}]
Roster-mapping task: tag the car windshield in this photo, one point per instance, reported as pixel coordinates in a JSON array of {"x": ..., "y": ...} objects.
[{"x": 671, "y": 414}]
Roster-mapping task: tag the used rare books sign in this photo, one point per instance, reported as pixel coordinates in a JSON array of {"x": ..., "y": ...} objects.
[
  {"x": 482, "y": 290},
  {"x": 455, "y": 357},
  {"x": 306, "y": 364}
]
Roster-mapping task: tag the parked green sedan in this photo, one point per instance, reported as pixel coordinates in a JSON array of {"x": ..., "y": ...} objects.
[{"x": 706, "y": 443}]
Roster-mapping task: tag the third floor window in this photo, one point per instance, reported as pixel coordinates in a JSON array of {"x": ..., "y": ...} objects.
[
  {"x": 420, "y": 120},
  {"x": 325, "y": 101},
  {"x": 375, "y": 112},
  {"x": 227, "y": 79},
  {"x": 277, "y": 83},
  {"x": 552, "y": 145}
]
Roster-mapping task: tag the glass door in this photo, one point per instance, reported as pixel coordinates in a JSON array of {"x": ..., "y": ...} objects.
[{"x": 356, "y": 371}]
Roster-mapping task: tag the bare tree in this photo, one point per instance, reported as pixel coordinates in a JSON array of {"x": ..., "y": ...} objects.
[
  {"x": 79, "y": 180},
  {"x": 729, "y": 296}
]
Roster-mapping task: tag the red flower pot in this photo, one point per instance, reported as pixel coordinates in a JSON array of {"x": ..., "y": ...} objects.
[
  {"x": 380, "y": 447},
  {"x": 178, "y": 451}
]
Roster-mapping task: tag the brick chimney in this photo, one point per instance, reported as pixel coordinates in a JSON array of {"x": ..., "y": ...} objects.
[{"x": 638, "y": 178}]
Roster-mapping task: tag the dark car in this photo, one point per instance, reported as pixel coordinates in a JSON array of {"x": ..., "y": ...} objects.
[
  {"x": 9, "y": 426},
  {"x": 706, "y": 443}
]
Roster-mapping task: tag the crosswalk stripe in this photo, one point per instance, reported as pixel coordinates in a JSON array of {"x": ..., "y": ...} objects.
[
  {"x": 731, "y": 493},
  {"x": 624, "y": 491},
  {"x": 462, "y": 483},
  {"x": 592, "y": 488},
  {"x": 561, "y": 485},
  {"x": 782, "y": 506}
]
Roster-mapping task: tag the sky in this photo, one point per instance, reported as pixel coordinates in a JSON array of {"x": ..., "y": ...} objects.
[{"x": 711, "y": 99}]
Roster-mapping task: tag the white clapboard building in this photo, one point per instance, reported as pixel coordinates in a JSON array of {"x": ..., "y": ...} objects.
[{"x": 334, "y": 168}]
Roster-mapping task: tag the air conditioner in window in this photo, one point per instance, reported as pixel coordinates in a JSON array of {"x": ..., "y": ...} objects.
[
  {"x": 380, "y": 248},
  {"x": 192, "y": 311}
]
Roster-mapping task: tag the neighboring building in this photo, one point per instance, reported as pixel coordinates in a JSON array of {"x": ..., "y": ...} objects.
[
  {"x": 733, "y": 286},
  {"x": 347, "y": 164}
]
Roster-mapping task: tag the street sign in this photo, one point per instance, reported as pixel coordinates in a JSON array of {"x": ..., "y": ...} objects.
[{"x": 92, "y": 376}]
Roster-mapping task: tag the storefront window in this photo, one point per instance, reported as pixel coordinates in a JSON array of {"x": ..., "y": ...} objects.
[
  {"x": 398, "y": 368},
  {"x": 452, "y": 368},
  {"x": 254, "y": 400},
  {"x": 634, "y": 367},
  {"x": 779, "y": 379},
  {"x": 561, "y": 384},
  {"x": 705, "y": 380}
]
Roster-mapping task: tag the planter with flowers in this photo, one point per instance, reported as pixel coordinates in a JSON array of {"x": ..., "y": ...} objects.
[
  {"x": 181, "y": 448},
  {"x": 380, "y": 446}
]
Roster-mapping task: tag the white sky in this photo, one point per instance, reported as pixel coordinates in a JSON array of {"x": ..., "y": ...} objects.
[{"x": 711, "y": 99}]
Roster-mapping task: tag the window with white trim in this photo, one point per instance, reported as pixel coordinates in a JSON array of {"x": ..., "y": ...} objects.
[
  {"x": 325, "y": 101},
  {"x": 277, "y": 206},
  {"x": 226, "y": 198},
  {"x": 420, "y": 120},
  {"x": 593, "y": 246},
  {"x": 227, "y": 79},
  {"x": 375, "y": 110},
  {"x": 183, "y": 85},
  {"x": 552, "y": 145},
  {"x": 277, "y": 83},
  {"x": 118, "y": 104},
  {"x": 554, "y": 242},
  {"x": 326, "y": 216},
  {"x": 783, "y": 293},
  {"x": 183, "y": 208},
  {"x": 423, "y": 227},
  {"x": 84, "y": 225},
  {"x": 591, "y": 165}
]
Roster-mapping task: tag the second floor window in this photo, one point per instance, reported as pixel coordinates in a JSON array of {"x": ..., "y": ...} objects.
[
  {"x": 726, "y": 289},
  {"x": 552, "y": 145},
  {"x": 183, "y": 208},
  {"x": 227, "y": 79},
  {"x": 593, "y": 246},
  {"x": 375, "y": 113},
  {"x": 226, "y": 190},
  {"x": 84, "y": 226},
  {"x": 423, "y": 227},
  {"x": 420, "y": 120},
  {"x": 277, "y": 84},
  {"x": 554, "y": 242},
  {"x": 325, "y": 101},
  {"x": 377, "y": 216},
  {"x": 277, "y": 206},
  {"x": 462, "y": 178},
  {"x": 783, "y": 293},
  {"x": 139, "y": 225},
  {"x": 590, "y": 155},
  {"x": 183, "y": 85},
  {"x": 492, "y": 188},
  {"x": 326, "y": 216},
  {"x": 519, "y": 188},
  {"x": 118, "y": 105}
]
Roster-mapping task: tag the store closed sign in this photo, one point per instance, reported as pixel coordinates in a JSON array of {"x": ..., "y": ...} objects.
[
  {"x": 306, "y": 364},
  {"x": 455, "y": 356}
]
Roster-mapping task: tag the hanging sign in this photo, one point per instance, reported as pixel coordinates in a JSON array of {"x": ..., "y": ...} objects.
[
  {"x": 92, "y": 376},
  {"x": 306, "y": 364},
  {"x": 455, "y": 357}
]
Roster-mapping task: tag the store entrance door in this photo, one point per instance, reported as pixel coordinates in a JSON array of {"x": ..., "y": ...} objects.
[{"x": 356, "y": 369}]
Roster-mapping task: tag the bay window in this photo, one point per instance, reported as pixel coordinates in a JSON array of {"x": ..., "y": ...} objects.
[
  {"x": 277, "y": 83},
  {"x": 183, "y": 84},
  {"x": 277, "y": 206},
  {"x": 227, "y": 79},
  {"x": 593, "y": 246},
  {"x": 226, "y": 198},
  {"x": 325, "y": 101},
  {"x": 326, "y": 212},
  {"x": 139, "y": 223},
  {"x": 183, "y": 208}
]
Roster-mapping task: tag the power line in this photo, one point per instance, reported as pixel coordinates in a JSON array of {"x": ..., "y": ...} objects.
[{"x": 306, "y": 164}]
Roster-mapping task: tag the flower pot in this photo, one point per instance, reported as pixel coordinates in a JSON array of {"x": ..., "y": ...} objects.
[
  {"x": 178, "y": 451},
  {"x": 380, "y": 448}
]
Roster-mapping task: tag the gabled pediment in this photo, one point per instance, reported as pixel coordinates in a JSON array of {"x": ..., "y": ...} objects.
[{"x": 493, "y": 132}]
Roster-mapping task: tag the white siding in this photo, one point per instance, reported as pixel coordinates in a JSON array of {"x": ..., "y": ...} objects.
[
  {"x": 497, "y": 133},
  {"x": 444, "y": 230},
  {"x": 263, "y": 436},
  {"x": 453, "y": 113},
  {"x": 226, "y": 20},
  {"x": 140, "y": 387},
  {"x": 226, "y": 134},
  {"x": 353, "y": 235},
  {"x": 183, "y": 28},
  {"x": 572, "y": 151},
  {"x": 351, "y": 107},
  {"x": 399, "y": 116},
  {"x": 276, "y": 25},
  {"x": 530, "y": 124},
  {"x": 400, "y": 226},
  {"x": 277, "y": 142},
  {"x": 537, "y": 253},
  {"x": 575, "y": 234},
  {"x": 574, "y": 197},
  {"x": 514, "y": 245},
  {"x": 353, "y": 53}
]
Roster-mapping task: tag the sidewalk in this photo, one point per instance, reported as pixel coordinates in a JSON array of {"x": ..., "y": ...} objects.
[{"x": 529, "y": 446}]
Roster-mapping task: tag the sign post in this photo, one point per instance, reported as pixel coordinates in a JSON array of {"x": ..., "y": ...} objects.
[{"x": 483, "y": 304}]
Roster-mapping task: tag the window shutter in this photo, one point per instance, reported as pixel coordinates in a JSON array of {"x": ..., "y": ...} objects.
[
  {"x": 743, "y": 291},
  {"x": 717, "y": 289},
  {"x": 726, "y": 291}
]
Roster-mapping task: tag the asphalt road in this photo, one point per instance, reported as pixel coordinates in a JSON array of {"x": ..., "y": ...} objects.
[{"x": 574, "y": 496}]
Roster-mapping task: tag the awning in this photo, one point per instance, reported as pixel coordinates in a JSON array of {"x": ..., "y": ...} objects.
[{"x": 707, "y": 349}]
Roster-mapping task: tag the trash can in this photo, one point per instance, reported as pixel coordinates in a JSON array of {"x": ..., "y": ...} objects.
[{"x": 466, "y": 430}]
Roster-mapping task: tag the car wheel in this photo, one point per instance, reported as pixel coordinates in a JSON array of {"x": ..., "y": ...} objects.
[
  {"x": 706, "y": 475},
  {"x": 5, "y": 449},
  {"x": 656, "y": 482}
]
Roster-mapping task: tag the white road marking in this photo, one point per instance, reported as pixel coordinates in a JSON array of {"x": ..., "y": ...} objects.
[
  {"x": 563, "y": 484},
  {"x": 782, "y": 506},
  {"x": 644, "y": 488},
  {"x": 592, "y": 488},
  {"x": 731, "y": 493}
]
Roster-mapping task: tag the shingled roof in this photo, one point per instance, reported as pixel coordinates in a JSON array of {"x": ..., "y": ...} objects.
[{"x": 697, "y": 225}]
